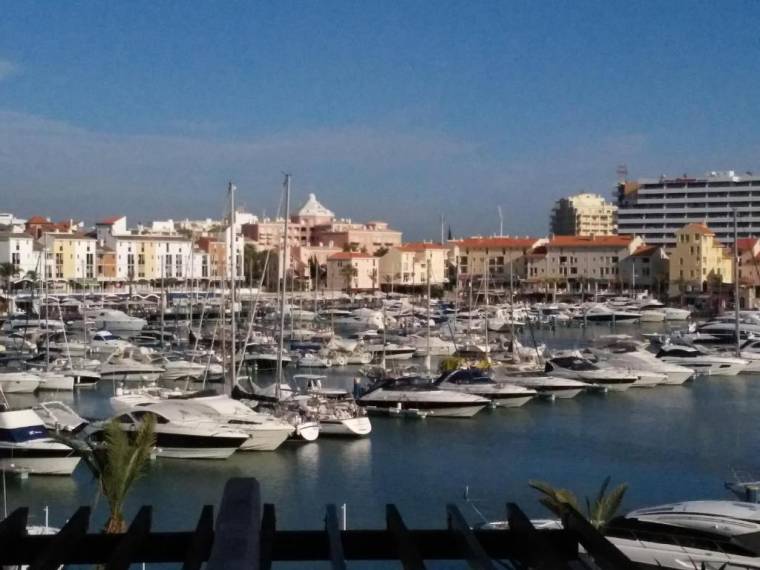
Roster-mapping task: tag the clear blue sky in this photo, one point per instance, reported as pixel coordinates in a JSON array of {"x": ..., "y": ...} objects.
[{"x": 390, "y": 110}]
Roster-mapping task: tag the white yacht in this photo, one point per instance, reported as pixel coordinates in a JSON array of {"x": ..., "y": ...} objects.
[
  {"x": 417, "y": 393},
  {"x": 54, "y": 381},
  {"x": 701, "y": 361},
  {"x": 625, "y": 354},
  {"x": 673, "y": 314},
  {"x": 119, "y": 367},
  {"x": 575, "y": 367},
  {"x": 19, "y": 382},
  {"x": 181, "y": 432},
  {"x": 602, "y": 314},
  {"x": 475, "y": 381},
  {"x": 693, "y": 535},
  {"x": 119, "y": 321},
  {"x": 26, "y": 447},
  {"x": 390, "y": 351},
  {"x": 336, "y": 410},
  {"x": 104, "y": 343},
  {"x": 546, "y": 386},
  {"x": 648, "y": 377}
]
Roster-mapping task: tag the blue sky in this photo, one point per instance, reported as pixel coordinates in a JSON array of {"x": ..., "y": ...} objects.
[{"x": 398, "y": 111}]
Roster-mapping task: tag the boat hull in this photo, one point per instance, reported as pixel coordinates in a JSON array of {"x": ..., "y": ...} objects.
[
  {"x": 351, "y": 427},
  {"x": 439, "y": 409},
  {"x": 265, "y": 440},
  {"x": 38, "y": 462}
]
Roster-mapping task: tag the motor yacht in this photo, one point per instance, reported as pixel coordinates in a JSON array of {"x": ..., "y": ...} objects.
[
  {"x": 417, "y": 393},
  {"x": 673, "y": 314},
  {"x": 120, "y": 367},
  {"x": 19, "y": 382},
  {"x": 544, "y": 385},
  {"x": 630, "y": 354},
  {"x": 181, "y": 431},
  {"x": 337, "y": 411},
  {"x": 701, "y": 361},
  {"x": 602, "y": 314},
  {"x": 390, "y": 351},
  {"x": 104, "y": 343},
  {"x": 438, "y": 345},
  {"x": 475, "y": 381},
  {"x": 262, "y": 356},
  {"x": 118, "y": 321},
  {"x": 26, "y": 447},
  {"x": 54, "y": 381},
  {"x": 696, "y": 535},
  {"x": 575, "y": 367}
]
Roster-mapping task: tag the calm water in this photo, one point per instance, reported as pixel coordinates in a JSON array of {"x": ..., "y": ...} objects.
[{"x": 668, "y": 443}]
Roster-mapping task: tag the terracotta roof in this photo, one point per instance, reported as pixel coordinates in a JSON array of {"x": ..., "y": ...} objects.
[
  {"x": 700, "y": 228},
  {"x": 109, "y": 221},
  {"x": 644, "y": 251},
  {"x": 37, "y": 220},
  {"x": 538, "y": 252},
  {"x": 420, "y": 246},
  {"x": 590, "y": 241},
  {"x": 496, "y": 242},
  {"x": 349, "y": 255},
  {"x": 745, "y": 244}
]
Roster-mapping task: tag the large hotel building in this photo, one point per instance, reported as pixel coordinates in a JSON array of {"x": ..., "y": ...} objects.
[{"x": 655, "y": 208}]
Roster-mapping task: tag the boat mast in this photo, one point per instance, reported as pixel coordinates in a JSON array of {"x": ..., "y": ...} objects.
[
  {"x": 736, "y": 286},
  {"x": 281, "y": 340},
  {"x": 233, "y": 276},
  {"x": 427, "y": 354}
]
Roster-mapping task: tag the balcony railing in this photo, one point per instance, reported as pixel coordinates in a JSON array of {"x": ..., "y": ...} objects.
[{"x": 245, "y": 536}]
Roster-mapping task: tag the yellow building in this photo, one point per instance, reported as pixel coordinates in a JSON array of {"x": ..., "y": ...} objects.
[
  {"x": 584, "y": 215},
  {"x": 698, "y": 261},
  {"x": 69, "y": 256}
]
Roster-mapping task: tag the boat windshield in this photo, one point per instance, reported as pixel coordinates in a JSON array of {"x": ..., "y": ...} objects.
[
  {"x": 410, "y": 384},
  {"x": 573, "y": 363}
]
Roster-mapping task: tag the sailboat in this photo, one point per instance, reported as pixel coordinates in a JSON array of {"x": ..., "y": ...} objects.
[{"x": 279, "y": 395}]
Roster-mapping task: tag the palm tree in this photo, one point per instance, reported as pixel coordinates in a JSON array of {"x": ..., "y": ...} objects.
[
  {"x": 599, "y": 512},
  {"x": 117, "y": 464},
  {"x": 349, "y": 272},
  {"x": 8, "y": 271}
]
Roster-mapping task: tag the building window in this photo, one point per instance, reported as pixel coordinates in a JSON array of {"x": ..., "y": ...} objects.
[
  {"x": 89, "y": 266},
  {"x": 16, "y": 259}
]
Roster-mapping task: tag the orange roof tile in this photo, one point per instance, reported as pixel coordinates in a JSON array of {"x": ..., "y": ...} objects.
[
  {"x": 590, "y": 241},
  {"x": 745, "y": 244},
  {"x": 644, "y": 250},
  {"x": 37, "y": 220},
  {"x": 109, "y": 221},
  {"x": 701, "y": 228}
]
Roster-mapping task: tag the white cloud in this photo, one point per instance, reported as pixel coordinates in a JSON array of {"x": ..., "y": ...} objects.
[{"x": 7, "y": 69}]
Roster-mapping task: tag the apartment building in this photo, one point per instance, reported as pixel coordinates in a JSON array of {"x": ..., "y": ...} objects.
[
  {"x": 583, "y": 215},
  {"x": 69, "y": 256},
  {"x": 655, "y": 208},
  {"x": 699, "y": 261},
  {"x": 504, "y": 256},
  {"x": 18, "y": 248},
  {"x": 410, "y": 264},
  {"x": 578, "y": 261},
  {"x": 364, "y": 275},
  {"x": 313, "y": 224}
]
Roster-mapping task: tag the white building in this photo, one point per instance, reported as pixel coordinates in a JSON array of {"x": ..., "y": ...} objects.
[
  {"x": 18, "y": 248},
  {"x": 655, "y": 208}
]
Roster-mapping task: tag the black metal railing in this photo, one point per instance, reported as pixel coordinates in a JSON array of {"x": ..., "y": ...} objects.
[{"x": 245, "y": 536}]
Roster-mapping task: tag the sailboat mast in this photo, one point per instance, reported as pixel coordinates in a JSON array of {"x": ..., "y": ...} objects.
[
  {"x": 233, "y": 276},
  {"x": 736, "y": 286},
  {"x": 427, "y": 352},
  {"x": 283, "y": 289}
]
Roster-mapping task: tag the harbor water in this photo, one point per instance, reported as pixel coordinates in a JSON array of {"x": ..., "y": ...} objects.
[{"x": 668, "y": 443}]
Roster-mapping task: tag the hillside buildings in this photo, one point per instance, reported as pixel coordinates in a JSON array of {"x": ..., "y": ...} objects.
[
  {"x": 655, "y": 208},
  {"x": 583, "y": 215}
]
